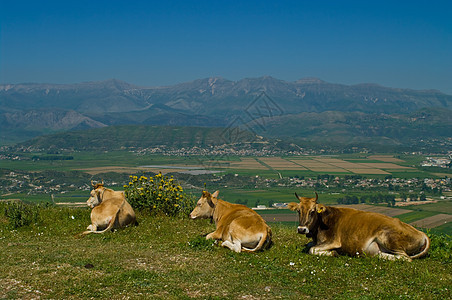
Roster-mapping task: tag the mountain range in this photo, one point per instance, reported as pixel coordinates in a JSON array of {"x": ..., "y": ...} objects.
[{"x": 266, "y": 105}]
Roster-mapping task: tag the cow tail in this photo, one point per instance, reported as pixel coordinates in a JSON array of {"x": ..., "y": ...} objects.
[
  {"x": 425, "y": 250},
  {"x": 264, "y": 243}
]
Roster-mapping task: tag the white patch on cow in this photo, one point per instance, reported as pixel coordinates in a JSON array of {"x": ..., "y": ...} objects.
[
  {"x": 303, "y": 229},
  {"x": 388, "y": 256},
  {"x": 371, "y": 247},
  {"x": 234, "y": 246},
  {"x": 316, "y": 251}
]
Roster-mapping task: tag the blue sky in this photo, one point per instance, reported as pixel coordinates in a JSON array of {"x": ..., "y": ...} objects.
[{"x": 406, "y": 44}]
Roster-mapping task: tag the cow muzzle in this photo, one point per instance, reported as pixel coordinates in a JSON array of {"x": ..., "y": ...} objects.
[{"x": 303, "y": 230}]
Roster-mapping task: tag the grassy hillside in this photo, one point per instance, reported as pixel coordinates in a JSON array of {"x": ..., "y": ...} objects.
[
  {"x": 136, "y": 136},
  {"x": 427, "y": 128},
  {"x": 168, "y": 258}
]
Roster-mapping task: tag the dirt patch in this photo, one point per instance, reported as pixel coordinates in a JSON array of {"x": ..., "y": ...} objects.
[
  {"x": 433, "y": 221},
  {"x": 384, "y": 166},
  {"x": 388, "y": 211},
  {"x": 129, "y": 170},
  {"x": 385, "y": 158},
  {"x": 248, "y": 163},
  {"x": 408, "y": 203},
  {"x": 281, "y": 164},
  {"x": 367, "y": 171}
]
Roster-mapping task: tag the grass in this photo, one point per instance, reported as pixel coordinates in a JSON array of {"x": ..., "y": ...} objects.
[
  {"x": 168, "y": 258},
  {"x": 415, "y": 216}
]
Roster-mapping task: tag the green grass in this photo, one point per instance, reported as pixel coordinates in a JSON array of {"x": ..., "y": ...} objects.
[
  {"x": 443, "y": 229},
  {"x": 167, "y": 258},
  {"x": 414, "y": 216}
]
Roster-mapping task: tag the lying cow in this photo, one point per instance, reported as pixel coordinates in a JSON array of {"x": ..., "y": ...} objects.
[
  {"x": 110, "y": 210},
  {"x": 354, "y": 232},
  {"x": 239, "y": 227}
]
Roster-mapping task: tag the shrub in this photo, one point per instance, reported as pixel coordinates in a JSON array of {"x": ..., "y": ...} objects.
[
  {"x": 158, "y": 195},
  {"x": 20, "y": 214},
  {"x": 441, "y": 246}
]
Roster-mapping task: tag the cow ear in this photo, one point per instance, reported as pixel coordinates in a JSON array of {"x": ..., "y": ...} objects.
[
  {"x": 320, "y": 208},
  {"x": 215, "y": 195},
  {"x": 210, "y": 202},
  {"x": 293, "y": 206}
]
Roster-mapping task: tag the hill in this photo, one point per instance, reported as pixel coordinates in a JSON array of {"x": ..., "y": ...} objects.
[
  {"x": 424, "y": 128},
  {"x": 138, "y": 136},
  {"x": 169, "y": 258},
  {"x": 202, "y": 102}
]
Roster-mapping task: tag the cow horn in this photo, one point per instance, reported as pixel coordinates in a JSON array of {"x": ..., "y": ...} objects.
[
  {"x": 316, "y": 196},
  {"x": 296, "y": 195},
  {"x": 102, "y": 182},
  {"x": 92, "y": 183}
]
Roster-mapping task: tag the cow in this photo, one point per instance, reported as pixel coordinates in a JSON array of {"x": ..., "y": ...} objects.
[
  {"x": 110, "y": 210},
  {"x": 340, "y": 230},
  {"x": 239, "y": 227}
]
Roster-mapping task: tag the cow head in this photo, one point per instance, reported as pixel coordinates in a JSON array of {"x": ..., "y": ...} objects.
[
  {"x": 96, "y": 194},
  {"x": 206, "y": 206},
  {"x": 308, "y": 212}
]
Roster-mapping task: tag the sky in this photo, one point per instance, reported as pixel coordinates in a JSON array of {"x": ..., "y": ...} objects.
[{"x": 402, "y": 44}]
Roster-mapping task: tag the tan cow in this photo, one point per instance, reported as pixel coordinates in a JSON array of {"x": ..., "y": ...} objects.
[
  {"x": 349, "y": 231},
  {"x": 239, "y": 227},
  {"x": 110, "y": 210}
]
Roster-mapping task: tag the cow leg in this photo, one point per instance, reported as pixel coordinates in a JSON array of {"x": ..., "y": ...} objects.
[
  {"x": 389, "y": 256},
  {"x": 324, "y": 249},
  {"x": 92, "y": 227},
  {"x": 376, "y": 247},
  {"x": 213, "y": 235},
  {"x": 234, "y": 246}
]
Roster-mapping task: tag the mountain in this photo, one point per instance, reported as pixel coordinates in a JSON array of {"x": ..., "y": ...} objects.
[
  {"x": 25, "y": 124},
  {"x": 28, "y": 110}
]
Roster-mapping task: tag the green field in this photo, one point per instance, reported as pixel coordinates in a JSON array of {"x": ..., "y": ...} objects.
[{"x": 108, "y": 162}]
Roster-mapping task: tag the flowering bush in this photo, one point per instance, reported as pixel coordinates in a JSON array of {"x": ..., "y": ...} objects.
[{"x": 159, "y": 195}]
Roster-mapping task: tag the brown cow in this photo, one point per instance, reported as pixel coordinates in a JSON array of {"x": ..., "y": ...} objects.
[
  {"x": 354, "y": 232},
  {"x": 239, "y": 227},
  {"x": 110, "y": 210}
]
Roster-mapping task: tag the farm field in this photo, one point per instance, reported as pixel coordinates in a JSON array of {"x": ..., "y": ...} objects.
[
  {"x": 124, "y": 161},
  {"x": 371, "y": 166}
]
